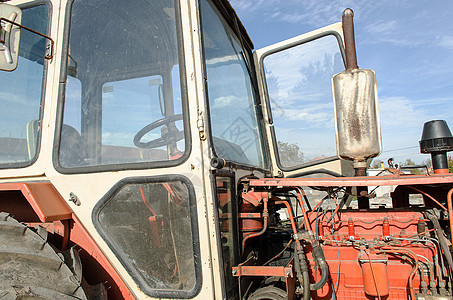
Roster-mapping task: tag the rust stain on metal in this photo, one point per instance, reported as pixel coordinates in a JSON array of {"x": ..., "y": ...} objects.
[
  {"x": 355, "y": 181},
  {"x": 355, "y": 129}
]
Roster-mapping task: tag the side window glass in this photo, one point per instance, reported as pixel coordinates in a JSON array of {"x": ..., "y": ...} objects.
[
  {"x": 234, "y": 125},
  {"x": 21, "y": 92},
  {"x": 300, "y": 93},
  {"x": 159, "y": 245}
]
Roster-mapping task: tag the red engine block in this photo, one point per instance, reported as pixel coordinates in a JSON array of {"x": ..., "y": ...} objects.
[{"x": 376, "y": 254}]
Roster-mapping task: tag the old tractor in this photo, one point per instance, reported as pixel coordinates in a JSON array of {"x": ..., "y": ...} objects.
[{"x": 141, "y": 157}]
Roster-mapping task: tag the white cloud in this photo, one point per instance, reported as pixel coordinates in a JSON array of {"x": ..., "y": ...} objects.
[
  {"x": 16, "y": 99},
  {"x": 228, "y": 101},
  {"x": 125, "y": 138},
  {"x": 382, "y": 26},
  {"x": 312, "y": 115},
  {"x": 249, "y": 6},
  {"x": 446, "y": 41},
  {"x": 310, "y": 12},
  {"x": 402, "y": 112},
  {"x": 289, "y": 72}
]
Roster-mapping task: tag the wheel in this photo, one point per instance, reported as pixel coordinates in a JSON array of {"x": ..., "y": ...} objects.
[
  {"x": 268, "y": 293},
  {"x": 31, "y": 269},
  {"x": 173, "y": 136}
]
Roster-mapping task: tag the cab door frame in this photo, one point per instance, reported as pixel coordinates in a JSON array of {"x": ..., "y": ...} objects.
[{"x": 326, "y": 165}]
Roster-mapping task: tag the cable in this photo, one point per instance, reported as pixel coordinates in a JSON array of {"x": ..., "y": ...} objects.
[
  {"x": 334, "y": 295},
  {"x": 429, "y": 196},
  {"x": 397, "y": 251},
  {"x": 280, "y": 253},
  {"x": 339, "y": 269}
]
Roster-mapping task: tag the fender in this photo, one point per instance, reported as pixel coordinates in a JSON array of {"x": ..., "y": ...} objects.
[
  {"x": 44, "y": 199},
  {"x": 38, "y": 203}
]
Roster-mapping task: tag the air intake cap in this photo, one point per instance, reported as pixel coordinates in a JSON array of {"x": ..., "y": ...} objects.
[
  {"x": 437, "y": 140},
  {"x": 436, "y": 137}
]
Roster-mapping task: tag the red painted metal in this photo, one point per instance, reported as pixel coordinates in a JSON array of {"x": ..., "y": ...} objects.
[
  {"x": 441, "y": 171},
  {"x": 320, "y": 229},
  {"x": 43, "y": 198},
  {"x": 374, "y": 274},
  {"x": 249, "y": 220},
  {"x": 450, "y": 212},
  {"x": 353, "y": 181},
  {"x": 351, "y": 230},
  {"x": 263, "y": 230},
  {"x": 263, "y": 271},
  {"x": 301, "y": 192},
  {"x": 249, "y": 215},
  {"x": 254, "y": 198},
  {"x": 101, "y": 268},
  {"x": 385, "y": 227}
]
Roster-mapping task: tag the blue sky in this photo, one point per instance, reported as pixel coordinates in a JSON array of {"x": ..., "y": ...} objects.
[{"x": 408, "y": 43}]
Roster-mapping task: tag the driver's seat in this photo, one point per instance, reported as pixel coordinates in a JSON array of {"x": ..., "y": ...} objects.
[{"x": 73, "y": 151}]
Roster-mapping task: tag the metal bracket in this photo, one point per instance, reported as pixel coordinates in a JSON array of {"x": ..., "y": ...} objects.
[{"x": 49, "y": 48}]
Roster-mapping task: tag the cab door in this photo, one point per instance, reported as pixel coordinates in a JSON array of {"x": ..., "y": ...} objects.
[{"x": 294, "y": 78}]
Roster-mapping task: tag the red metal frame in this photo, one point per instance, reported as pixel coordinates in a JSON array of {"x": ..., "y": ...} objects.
[
  {"x": 80, "y": 236},
  {"x": 353, "y": 181}
]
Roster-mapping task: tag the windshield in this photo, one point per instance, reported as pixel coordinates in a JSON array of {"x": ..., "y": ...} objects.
[
  {"x": 234, "y": 126},
  {"x": 123, "y": 101},
  {"x": 20, "y": 94}
]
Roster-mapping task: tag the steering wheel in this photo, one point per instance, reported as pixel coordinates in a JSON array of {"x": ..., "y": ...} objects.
[{"x": 172, "y": 134}]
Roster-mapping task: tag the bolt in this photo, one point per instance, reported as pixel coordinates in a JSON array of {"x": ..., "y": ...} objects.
[
  {"x": 235, "y": 272},
  {"x": 288, "y": 273}
]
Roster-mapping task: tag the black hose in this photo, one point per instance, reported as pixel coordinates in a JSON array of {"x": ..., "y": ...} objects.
[
  {"x": 300, "y": 264},
  {"x": 440, "y": 237},
  {"x": 318, "y": 256}
]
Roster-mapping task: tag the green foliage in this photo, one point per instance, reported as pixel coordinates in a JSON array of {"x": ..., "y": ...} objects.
[
  {"x": 290, "y": 154},
  {"x": 450, "y": 164},
  {"x": 409, "y": 162},
  {"x": 428, "y": 163}
]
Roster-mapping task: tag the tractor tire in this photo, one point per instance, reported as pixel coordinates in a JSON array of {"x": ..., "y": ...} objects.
[
  {"x": 268, "y": 293},
  {"x": 31, "y": 269}
]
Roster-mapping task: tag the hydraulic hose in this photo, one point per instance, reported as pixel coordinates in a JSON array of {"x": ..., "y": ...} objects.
[
  {"x": 440, "y": 237},
  {"x": 265, "y": 224},
  {"x": 319, "y": 258},
  {"x": 300, "y": 264}
]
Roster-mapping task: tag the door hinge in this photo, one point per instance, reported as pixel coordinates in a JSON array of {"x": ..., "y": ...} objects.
[{"x": 200, "y": 126}]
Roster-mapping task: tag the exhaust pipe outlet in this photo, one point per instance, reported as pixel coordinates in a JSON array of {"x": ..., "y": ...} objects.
[{"x": 437, "y": 140}]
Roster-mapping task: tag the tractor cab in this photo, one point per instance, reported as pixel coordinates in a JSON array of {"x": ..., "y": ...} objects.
[
  {"x": 144, "y": 115},
  {"x": 157, "y": 154}
]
